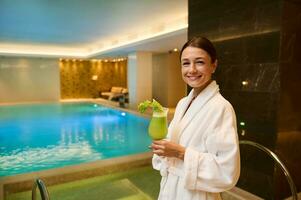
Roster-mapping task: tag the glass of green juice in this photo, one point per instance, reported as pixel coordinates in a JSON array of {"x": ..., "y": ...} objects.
[{"x": 157, "y": 128}]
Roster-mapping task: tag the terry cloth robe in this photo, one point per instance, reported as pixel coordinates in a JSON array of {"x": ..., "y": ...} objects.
[{"x": 211, "y": 162}]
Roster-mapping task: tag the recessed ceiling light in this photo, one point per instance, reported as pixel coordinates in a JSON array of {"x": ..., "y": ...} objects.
[{"x": 244, "y": 82}]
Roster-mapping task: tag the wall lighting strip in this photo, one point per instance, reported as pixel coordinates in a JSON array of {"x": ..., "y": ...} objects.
[
  {"x": 138, "y": 39},
  {"x": 40, "y": 51}
]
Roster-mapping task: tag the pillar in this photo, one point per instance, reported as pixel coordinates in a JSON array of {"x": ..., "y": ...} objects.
[{"x": 139, "y": 78}]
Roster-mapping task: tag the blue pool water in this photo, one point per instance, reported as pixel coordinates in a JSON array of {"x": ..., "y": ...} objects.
[{"x": 44, "y": 136}]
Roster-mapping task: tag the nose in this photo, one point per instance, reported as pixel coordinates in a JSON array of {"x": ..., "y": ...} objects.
[{"x": 192, "y": 68}]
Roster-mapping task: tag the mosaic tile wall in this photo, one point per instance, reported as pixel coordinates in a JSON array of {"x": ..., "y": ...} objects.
[{"x": 87, "y": 78}]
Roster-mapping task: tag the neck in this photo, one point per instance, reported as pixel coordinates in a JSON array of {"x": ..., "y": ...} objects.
[{"x": 197, "y": 91}]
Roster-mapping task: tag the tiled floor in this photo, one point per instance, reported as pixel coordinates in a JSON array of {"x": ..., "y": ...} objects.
[{"x": 140, "y": 183}]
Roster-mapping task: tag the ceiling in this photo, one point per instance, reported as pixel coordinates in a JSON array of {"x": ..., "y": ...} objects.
[{"x": 91, "y": 28}]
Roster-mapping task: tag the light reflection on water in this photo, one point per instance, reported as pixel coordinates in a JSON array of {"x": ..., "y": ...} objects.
[
  {"x": 37, "y": 158},
  {"x": 41, "y": 137}
]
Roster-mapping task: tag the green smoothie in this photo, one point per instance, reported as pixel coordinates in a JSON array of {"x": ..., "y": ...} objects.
[{"x": 158, "y": 127}]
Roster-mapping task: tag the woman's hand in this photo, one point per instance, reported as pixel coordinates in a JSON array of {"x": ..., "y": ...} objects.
[{"x": 168, "y": 149}]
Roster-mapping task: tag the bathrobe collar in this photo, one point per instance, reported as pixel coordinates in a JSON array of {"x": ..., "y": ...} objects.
[{"x": 183, "y": 121}]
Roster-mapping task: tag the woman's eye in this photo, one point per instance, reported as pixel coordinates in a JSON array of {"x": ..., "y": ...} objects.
[
  {"x": 199, "y": 62},
  {"x": 185, "y": 64}
]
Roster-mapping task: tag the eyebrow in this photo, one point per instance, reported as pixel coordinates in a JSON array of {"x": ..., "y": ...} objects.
[{"x": 195, "y": 58}]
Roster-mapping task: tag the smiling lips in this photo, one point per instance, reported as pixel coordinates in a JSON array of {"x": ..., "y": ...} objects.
[{"x": 193, "y": 78}]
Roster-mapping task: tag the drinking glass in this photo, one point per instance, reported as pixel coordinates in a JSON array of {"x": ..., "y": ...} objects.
[{"x": 157, "y": 128}]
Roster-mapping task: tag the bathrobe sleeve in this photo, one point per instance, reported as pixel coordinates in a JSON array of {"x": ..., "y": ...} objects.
[
  {"x": 218, "y": 168},
  {"x": 159, "y": 162}
]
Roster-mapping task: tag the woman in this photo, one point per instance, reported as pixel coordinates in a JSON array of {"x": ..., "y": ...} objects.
[{"x": 200, "y": 157}]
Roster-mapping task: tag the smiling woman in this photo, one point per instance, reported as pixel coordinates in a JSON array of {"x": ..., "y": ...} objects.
[
  {"x": 197, "y": 67},
  {"x": 200, "y": 157},
  {"x": 198, "y": 59}
]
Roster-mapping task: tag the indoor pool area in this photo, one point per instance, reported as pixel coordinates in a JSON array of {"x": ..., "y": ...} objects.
[
  {"x": 81, "y": 143},
  {"x": 47, "y": 136},
  {"x": 150, "y": 100}
]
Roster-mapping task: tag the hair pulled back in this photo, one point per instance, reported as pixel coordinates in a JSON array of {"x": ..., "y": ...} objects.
[{"x": 202, "y": 43}]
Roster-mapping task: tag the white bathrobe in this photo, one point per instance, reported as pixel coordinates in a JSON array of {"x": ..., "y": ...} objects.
[{"x": 211, "y": 161}]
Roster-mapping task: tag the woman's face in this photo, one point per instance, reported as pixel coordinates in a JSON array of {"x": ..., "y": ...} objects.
[{"x": 197, "y": 67}]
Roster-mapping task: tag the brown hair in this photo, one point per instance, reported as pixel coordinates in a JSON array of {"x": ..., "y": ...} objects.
[{"x": 202, "y": 43}]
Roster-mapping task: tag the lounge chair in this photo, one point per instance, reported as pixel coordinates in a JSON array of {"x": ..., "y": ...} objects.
[{"x": 116, "y": 92}]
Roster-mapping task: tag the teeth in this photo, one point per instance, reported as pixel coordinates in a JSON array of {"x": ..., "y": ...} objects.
[{"x": 193, "y": 77}]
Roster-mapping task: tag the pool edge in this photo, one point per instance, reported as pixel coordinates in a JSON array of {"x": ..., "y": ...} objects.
[{"x": 22, "y": 182}]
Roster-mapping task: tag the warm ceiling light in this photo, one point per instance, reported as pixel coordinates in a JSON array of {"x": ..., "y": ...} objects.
[
  {"x": 175, "y": 49},
  {"x": 99, "y": 47},
  {"x": 91, "y": 50},
  {"x": 94, "y": 77},
  {"x": 244, "y": 83}
]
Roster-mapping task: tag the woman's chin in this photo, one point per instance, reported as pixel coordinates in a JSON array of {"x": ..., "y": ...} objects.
[
  {"x": 195, "y": 85},
  {"x": 198, "y": 85}
]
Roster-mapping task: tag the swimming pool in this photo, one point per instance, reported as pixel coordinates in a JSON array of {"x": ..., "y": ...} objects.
[{"x": 45, "y": 136}]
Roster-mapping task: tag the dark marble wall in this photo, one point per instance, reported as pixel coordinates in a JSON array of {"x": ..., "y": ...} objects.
[
  {"x": 257, "y": 44},
  {"x": 251, "y": 83},
  {"x": 289, "y": 111}
]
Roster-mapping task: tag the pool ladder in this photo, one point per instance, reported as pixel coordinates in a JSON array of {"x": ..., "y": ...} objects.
[
  {"x": 42, "y": 188},
  {"x": 45, "y": 195},
  {"x": 278, "y": 162}
]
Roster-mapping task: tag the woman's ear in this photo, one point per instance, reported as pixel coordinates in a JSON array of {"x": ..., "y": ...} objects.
[{"x": 214, "y": 66}]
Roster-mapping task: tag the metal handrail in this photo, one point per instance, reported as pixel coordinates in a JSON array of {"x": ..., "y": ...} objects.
[
  {"x": 279, "y": 163},
  {"x": 42, "y": 188}
]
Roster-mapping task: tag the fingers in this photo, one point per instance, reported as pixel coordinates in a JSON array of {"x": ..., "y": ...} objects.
[
  {"x": 168, "y": 149},
  {"x": 157, "y": 146},
  {"x": 158, "y": 142},
  {"x": 158, "y": 152},
  {"x": 161, "y": 142},
  {"x": 163, "y": 147}
]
